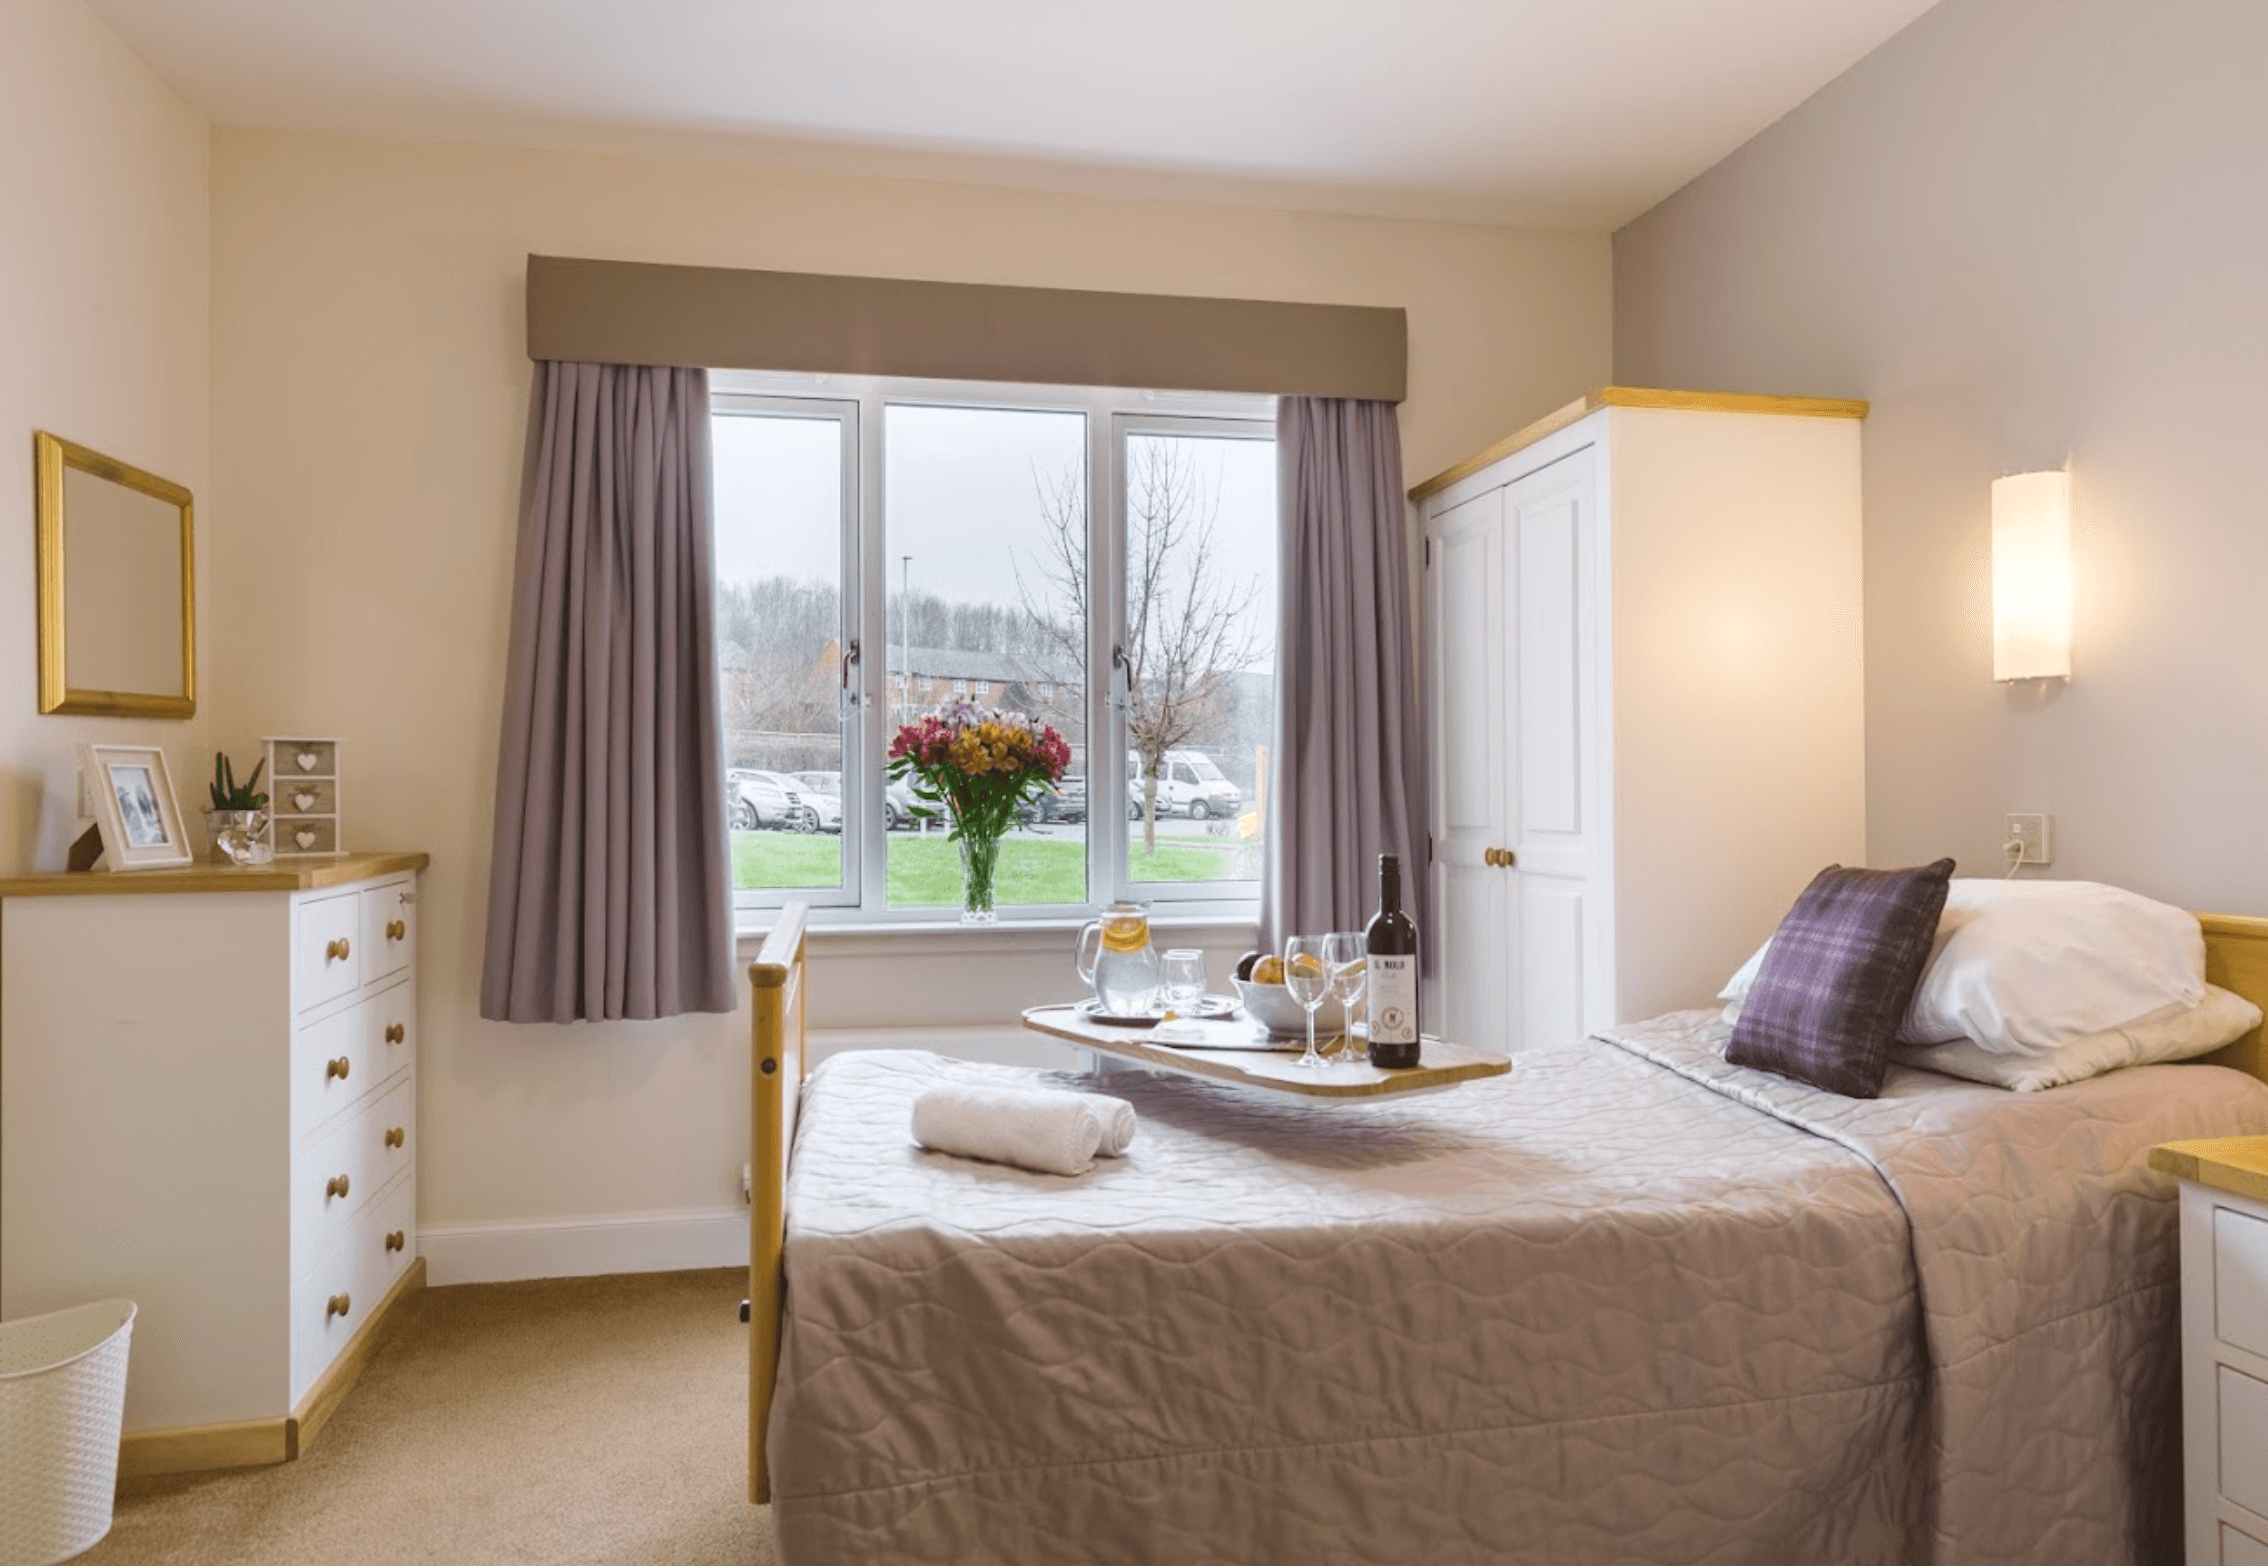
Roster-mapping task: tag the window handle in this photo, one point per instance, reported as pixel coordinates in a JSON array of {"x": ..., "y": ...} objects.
[
  {"x": 1122, "y": 676},
  {"x": 850, "y": 656}
]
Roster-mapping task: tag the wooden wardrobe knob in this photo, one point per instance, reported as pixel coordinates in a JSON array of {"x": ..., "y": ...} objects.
[
  {"x": 337, "y": 950},
  {"x": 338, "y": 1186},
  {"x": 394, "y": 1136},
  {"x": 339, "y": 1305},
  {"x": 337, "y": 1069}
]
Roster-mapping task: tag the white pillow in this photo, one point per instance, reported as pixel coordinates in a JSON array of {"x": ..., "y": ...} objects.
[
  {"x": 2021, "y": 967},
  {"x": 2220, "y": 1018}
]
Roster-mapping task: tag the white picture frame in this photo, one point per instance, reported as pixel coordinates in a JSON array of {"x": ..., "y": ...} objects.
[{"x": 135, "y": 807}]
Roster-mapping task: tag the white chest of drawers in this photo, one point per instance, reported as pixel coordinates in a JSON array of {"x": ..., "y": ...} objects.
[
  {"x": 2224, "y": 1346},
  {"x": 208, "y": 1105}
]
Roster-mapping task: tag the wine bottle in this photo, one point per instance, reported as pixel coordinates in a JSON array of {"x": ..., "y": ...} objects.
[{"x": 1391, "y": 973}]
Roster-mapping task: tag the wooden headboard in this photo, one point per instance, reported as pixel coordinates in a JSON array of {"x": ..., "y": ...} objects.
[
  {"x": 2236, "y": 958},
  {"x": 775, "y": 1073}
]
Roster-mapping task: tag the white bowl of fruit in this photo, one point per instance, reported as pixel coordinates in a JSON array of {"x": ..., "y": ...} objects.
[{"x": 1268, "y": 1000}]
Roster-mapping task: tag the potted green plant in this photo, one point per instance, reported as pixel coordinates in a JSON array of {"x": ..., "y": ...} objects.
[{"x": 238, "y": 814}]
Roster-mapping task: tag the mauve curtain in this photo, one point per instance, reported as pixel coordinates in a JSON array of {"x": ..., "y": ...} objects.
[
  {"x": 608, "y": 893},
  {"x": 1350, "y": 772}
]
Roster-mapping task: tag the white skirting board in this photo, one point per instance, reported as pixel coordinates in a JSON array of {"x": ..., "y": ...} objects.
[{"x": 510, "y": 1250}]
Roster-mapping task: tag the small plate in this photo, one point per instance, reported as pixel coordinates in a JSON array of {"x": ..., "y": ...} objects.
[{"x": 1209, "y": 1008}]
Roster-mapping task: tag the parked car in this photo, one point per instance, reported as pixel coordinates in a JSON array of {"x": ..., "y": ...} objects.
[
  {"x": 1066, "y": 801},
  {"x": 771, "y": 802},
  {"x": 822, "y": 794},
  {"x": 898, "y": 801},
  {"x": 759, "y": 803},
  {"x": 1188, "y": 784}
]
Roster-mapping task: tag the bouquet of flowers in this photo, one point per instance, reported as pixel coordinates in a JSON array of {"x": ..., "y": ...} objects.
[{"x": 981, "y": 766}]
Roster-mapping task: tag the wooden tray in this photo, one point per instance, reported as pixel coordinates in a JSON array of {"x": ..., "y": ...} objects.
[{"x": 1443, "y": 1063}]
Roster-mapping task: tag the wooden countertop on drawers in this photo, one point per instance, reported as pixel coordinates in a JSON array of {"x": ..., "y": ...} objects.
[
  {"x": 283, "y": 875},
  {"x": 2226, "y": 1163}
]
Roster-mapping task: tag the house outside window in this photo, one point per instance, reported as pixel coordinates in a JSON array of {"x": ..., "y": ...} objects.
[{"x": 1101, "y": 561}]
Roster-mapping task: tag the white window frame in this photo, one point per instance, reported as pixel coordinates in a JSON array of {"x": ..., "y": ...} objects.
[
  {"x": 845, "y": 412},
  {"x": 1195, "y": 897},
  {"x": 1111, "y": 414}
]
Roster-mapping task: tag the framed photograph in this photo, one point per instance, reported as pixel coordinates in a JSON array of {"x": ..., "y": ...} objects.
[{"x": 134, "y": 804}]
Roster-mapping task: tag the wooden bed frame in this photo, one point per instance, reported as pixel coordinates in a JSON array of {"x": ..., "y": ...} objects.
[
  {"x": 776, "y": 994},
  {"x": 2236, "y": 958}
]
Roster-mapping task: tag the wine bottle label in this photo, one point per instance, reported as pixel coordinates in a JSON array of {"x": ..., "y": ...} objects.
[{"x": 1392, "y": 985}]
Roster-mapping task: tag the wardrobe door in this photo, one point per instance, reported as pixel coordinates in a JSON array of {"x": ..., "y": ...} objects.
[
  {"x": 1469, "y": 933},
  {"x": 1555, "y": 795}
]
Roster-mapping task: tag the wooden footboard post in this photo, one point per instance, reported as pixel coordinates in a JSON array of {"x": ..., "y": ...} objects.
[{"x": 776, "y": 992}]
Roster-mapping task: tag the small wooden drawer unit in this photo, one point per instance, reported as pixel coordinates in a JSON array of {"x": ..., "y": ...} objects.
[
  {"x": 208, "y": 1105},
  {"x": 2224, "y": 1345}
]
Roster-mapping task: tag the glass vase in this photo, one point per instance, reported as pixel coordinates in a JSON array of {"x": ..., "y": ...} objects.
[{"x": 980, "y": 858}]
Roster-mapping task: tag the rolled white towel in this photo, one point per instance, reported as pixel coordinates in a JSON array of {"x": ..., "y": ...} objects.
[
  {"x": 1032, "y": 1128},
  {"x": 1117, "y": 1118}
]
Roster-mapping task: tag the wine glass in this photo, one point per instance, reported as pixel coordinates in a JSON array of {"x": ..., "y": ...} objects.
[
  {"x": 1345, "y": 953},
  {"x": 1182, "y": 975},
  {"x": 1308, "y": 976}
]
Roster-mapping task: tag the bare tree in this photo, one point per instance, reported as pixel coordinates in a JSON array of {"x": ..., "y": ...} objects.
[{"x": 1188, "y": 628}]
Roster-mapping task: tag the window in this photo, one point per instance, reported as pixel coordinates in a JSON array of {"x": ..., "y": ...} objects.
[{"x": 1103, "y": 561}]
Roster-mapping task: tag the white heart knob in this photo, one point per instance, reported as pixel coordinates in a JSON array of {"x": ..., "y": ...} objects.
[
  {"x": 304, "y": 800},
  {"x": 304, "y": 838},
  {"x": 307, "y": 760}
]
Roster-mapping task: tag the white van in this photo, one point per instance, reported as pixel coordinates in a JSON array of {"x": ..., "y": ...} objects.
[{"x": 1189, "y": 784}]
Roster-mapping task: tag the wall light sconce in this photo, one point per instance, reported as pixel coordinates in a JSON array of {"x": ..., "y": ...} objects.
[{"x": 2031, "y": 576}]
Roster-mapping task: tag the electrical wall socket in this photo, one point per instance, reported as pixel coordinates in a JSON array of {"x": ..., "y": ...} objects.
[{"x": 2033, "y": 833}]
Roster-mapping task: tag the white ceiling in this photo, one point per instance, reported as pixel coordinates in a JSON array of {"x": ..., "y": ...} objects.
[{"x": 1570, "y": 114}]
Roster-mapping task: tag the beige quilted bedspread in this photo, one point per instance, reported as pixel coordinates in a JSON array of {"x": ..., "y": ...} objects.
[{"x": 1629, "y": 1304}]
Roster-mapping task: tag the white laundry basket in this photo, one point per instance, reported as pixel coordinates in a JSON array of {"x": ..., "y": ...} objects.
[{"x": 62, "y": 1400}]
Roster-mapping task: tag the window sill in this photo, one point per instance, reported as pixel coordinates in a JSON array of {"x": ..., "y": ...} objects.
[{"x": 1004, "y": 939}]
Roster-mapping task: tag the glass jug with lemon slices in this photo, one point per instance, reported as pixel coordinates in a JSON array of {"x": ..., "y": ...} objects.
[{"x": 1115, "y": 957}]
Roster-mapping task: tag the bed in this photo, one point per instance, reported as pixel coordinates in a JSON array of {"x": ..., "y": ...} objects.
[{"x": 1630, "y": 1304}]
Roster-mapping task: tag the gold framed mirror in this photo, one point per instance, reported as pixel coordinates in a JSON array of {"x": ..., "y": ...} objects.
[{"x": 117, "y": 586}]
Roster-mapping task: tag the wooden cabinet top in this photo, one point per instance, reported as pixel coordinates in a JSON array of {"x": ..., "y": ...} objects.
[
  {"x": 1638, "y": 397},
  {"x": 2226, "y": 1163},
  {"x": 282, "y": 875}
]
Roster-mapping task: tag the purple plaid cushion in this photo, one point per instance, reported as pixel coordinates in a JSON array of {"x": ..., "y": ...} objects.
[{"x": 1839, "y": 975}]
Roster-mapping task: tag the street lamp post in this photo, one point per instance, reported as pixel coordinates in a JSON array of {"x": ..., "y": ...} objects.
[{"x": 905, "y": 637}]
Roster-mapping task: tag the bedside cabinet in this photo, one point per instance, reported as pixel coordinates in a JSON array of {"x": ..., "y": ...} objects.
[
  {"x": 2224, "y": 1346},
  {"x": 208, "y": 1105}
]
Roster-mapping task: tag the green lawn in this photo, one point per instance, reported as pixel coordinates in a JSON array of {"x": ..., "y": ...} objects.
[{"x": 925, "y": 871}]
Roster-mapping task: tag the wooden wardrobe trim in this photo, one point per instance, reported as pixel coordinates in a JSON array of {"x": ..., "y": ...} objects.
[{"x": 1639, "y": 397}]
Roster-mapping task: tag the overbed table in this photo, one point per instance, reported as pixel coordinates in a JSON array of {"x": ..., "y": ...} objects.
[{"x": 1442, "y": 1063}]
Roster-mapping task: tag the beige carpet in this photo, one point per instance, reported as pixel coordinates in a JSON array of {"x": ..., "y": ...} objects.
[{"x": 572, "y": 1420}]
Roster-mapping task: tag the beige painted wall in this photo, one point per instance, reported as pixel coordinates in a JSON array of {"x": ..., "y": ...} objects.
[
  {"x": 370, "y": 391},
  {"x": 104, "y": 266},
  {"x": 2026, "y": 229}
]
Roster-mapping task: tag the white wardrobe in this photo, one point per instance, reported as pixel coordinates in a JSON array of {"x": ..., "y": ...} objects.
[{"x": 1643, "y": 626}]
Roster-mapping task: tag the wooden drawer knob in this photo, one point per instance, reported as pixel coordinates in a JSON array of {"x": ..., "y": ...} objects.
[
  {"x": 396, "y": 1239},
  {"x": 394, "y": 1136},
  {"x": 395, "y": 1033},
  {"x": 397, "y": 929},
  {"x": 337, "y": 950},
  {"x": 338, "y": 1186},
  {"x": 337, "y": 1069},
  {"x": 339, "y": 1305}
]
